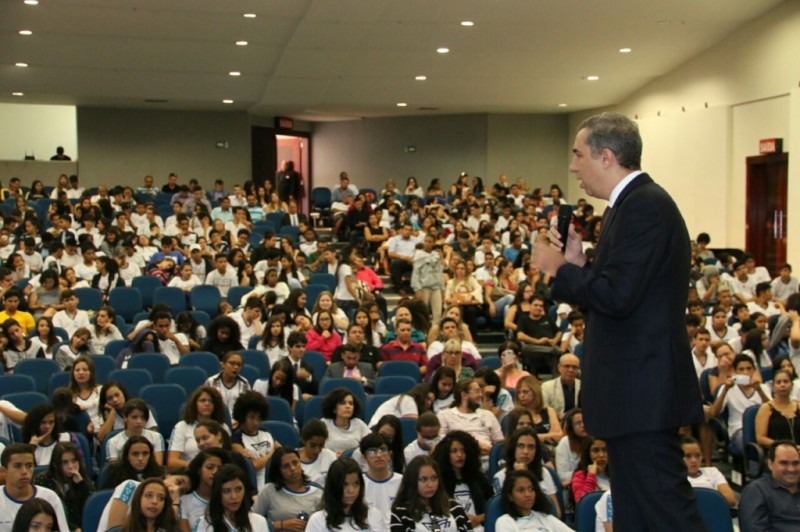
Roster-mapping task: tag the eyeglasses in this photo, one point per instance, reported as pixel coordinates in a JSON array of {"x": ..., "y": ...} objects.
[{"x": 376, "y": 451}]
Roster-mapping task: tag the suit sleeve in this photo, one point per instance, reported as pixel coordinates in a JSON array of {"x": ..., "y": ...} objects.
[{"x": 634, "y": 257}]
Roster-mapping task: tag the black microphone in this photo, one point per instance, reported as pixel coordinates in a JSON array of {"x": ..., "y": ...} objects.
[{"x": 564, "y": 220}]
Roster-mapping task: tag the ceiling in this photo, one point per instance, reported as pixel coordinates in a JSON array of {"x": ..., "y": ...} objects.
[{"x": 344, "y": 59}]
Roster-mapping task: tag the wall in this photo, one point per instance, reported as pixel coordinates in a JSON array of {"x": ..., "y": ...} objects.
[
  {"x": 373, "y": 150},
  {"x": 123, "y": 145},
  {"x": 532, "y": 146},
  {"x": 701, "y": 120},
  {"x": 37, "y": 130}
]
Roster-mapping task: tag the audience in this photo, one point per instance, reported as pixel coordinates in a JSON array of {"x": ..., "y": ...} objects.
[{"x": 464, "y": 255}]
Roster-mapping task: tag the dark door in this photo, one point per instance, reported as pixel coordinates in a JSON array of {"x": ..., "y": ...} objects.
[{"x": 766, "y": 218}]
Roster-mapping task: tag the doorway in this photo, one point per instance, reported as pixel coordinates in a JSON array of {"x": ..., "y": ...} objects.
[
  {"x": 295, "y": 148},
  {"x": 766, "y": 225}
]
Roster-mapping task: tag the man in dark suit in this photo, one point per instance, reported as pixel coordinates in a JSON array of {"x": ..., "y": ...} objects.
[
  {"x": 639, "y": 385},
  {"x": 351, "y": 368},
  {"x": 293, "y": 218}
]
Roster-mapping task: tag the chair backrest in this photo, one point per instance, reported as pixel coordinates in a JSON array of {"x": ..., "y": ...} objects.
[
  {"x": 491, "y": 362},
  {"x": 585, "y": 514},
  {"x": 89, "y": 298},
  {"x": 374, "y": 401},
  {"x": 280, "y": 410},
  {"x": 259, "y": 359},
  {"x": 492, "y": 514},
  {"x": 327, "y": 385},
  {"x": 93, "y": 509},
  {"x": 127, "y": 301},
  {"x": 327, "y": 279},
  {"x": 317, "y": 362},
  {"x": 206, "y": 298},
  {"x": 187, "y": 377},
  {"x": 103, "y": 365},
  {"x": 24, "y": 401},
  {"x": 312, "y": 292},
  {"x": 16, "y": 384},
  {"x": 235, "y": 294},
  {"x": 274, "y": 218},
  {"x": 57, "y": 380},
  {"x": 409, "y": 429},
  {"x": 146, "y": 285},
  {"x": 749, "y": 424},
  {"x": 113, "y": 348},
  {"x": 167, "y": 398},
  {"x": 559, "y": 487},
  {"x": 290, "y": 231},
  {"x": 312, "y": 409},
  {"x": 133, "y": 379},
  {"x": 208, "y": 362},
  {"x": 494, "y": 459},
  {"x": 714, "y": 510},
  {"x": 394, "y": 384},
  {"x": 156, "y": 364},
  {"x": 202, "y": 317},
  {"x": 249, "y": 373},
  {"x": 40, "y": 369},
  {"x": 404, "y": 368},
  {"x": 283, "y": 432},
  {"x": 173, "y": 297},
  {"x": 321, "y": 198}
]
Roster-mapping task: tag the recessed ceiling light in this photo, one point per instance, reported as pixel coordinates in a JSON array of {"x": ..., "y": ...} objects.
[
  {"x": 32, "y": 2},
  {"x": 23, "y": 65},
  {"x": 402, "y": 104},
  {"x": 17, "y": 94},
  {"x": 467, "y": 23},
  {"x": 249, "y": 15},
  {"x": 234, "y": 73},
  {"x": 592, "y": 78},
  {"x": 227, "y": 101},
  {"x": 241, "y": 43},
  {"x": 562, "y": 105},
  {"x": 25, "y": 32},
  {"x": 443, "y": 50},
  {"x": 625, "y": 50},
  {"x": 421, "y": 78}
]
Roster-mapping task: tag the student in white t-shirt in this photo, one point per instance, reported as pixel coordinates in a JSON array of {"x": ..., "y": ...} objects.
[
  {"x": 249, "y": 411},
  {"x": 202, "y": 470},
  {"x": 135, "y": 415},
  {"x": 524, "y": 506},
  {"x": 380, "y": 482},
  {"x": 18, "y": 462},
  {"x": 315, "y": 459},
  {"x": 152, "y": 507},
  {"x": 229, "y": 506},
  {"x": 427, "y": 437},
  {"x": 345, "y": 503},
  {"x": 186, "y": 280},
  {"x": 704, "y": 477},
  {"x": 71, "y": 318}
]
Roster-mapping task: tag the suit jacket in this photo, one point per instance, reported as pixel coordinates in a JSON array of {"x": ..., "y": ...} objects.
[
  {"x": 336, "y": 370},
  {"x": 637, "y": 375},
  {"x": 287, "y": 220},
  {"x": 553, "y": 394}
]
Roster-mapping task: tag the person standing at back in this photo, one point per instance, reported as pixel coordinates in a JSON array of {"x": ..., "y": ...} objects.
[{"x": 638, "y": 384}]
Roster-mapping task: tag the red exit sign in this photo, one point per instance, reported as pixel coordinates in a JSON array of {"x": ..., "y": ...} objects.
[{"x": 766, "y": 146}]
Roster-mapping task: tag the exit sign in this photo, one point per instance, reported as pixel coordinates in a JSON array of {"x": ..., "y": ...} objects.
[{"x": 767, "y": 146}]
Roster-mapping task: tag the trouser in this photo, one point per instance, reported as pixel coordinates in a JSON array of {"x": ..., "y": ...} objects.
[
  {"x": 649, "y": 485},
  {"x": 432, "y": 297},
  {"x": 398, "y": 269}
]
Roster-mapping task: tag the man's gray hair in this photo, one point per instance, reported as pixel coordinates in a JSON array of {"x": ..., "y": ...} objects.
[{"x": 619, "y": 134}]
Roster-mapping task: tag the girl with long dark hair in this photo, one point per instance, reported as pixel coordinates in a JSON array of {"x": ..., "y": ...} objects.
[
  {"x": 459, "y": 459},
  {"x": 136, "y": 462},
  {"x": 524, "y": 506},
  {"x": 422, "y": 500},
  {"x": 67, "y": 477},
  {"x": 229, "y": 506},
  {"x": 151, "y": 508},
  {"x": 343, "y": 506}
]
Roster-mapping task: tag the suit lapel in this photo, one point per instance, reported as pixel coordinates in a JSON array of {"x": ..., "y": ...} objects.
[{"x": 639, "y": 180}]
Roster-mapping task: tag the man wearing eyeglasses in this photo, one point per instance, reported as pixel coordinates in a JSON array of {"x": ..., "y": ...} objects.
[
  {"x": 380, "y": 483},
  {"x": 563, "y": 392}
]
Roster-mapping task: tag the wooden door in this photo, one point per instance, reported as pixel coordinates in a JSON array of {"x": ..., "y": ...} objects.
[{"x": 767, "y": 217}]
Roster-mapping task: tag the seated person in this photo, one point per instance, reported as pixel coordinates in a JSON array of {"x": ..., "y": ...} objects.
[
  {"x": 704, "y": 477},
  {"x": 770, "y": 503},
  {"x": 737, "y": 394},
  {"x": 351, "y": 368}
]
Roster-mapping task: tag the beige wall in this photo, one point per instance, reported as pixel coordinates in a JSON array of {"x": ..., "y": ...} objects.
[{"x": 701, "y": 120}]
